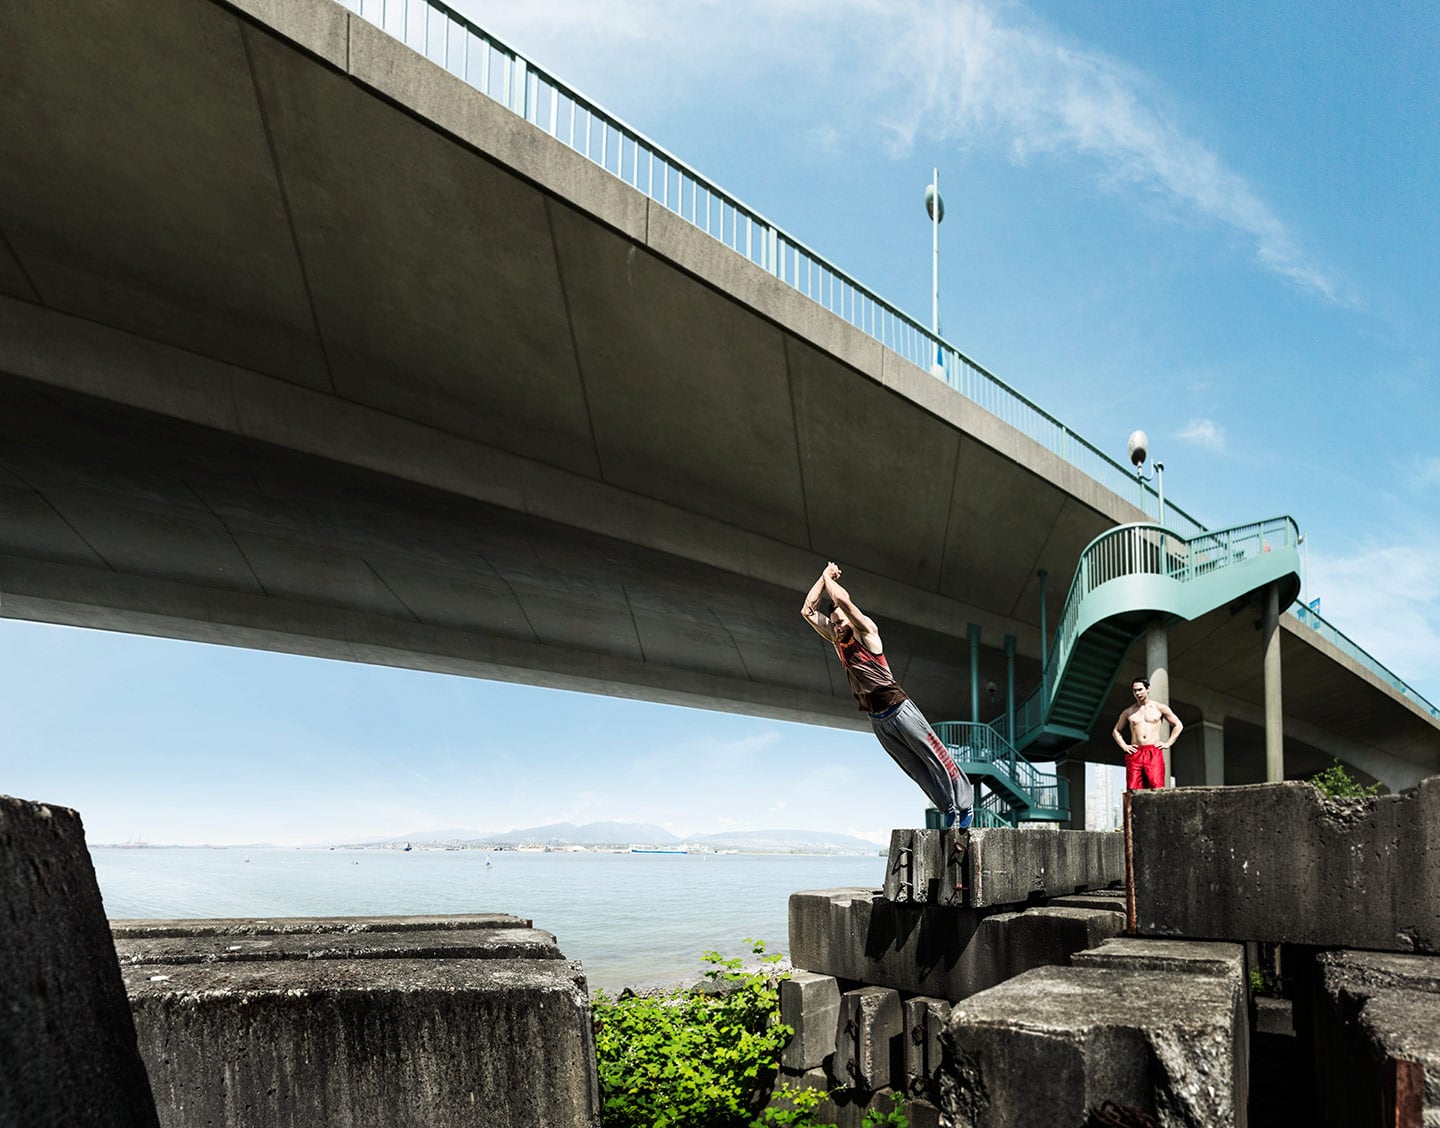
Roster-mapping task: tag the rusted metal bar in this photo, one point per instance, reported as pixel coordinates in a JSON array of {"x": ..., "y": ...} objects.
[
  {"x": 1405, "y": 1093},
  {"x": 1129, "y": 871}
]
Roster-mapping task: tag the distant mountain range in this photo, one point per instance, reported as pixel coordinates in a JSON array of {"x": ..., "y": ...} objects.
[{"x": 626, "y": 834}]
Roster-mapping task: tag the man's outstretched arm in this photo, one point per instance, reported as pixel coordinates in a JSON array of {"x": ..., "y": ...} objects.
[
  {"x": 811, "y": 613},
  {"x": 864, "y": 626}
]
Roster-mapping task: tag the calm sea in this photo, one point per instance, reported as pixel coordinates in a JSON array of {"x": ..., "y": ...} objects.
[{"x": 633, "y": 919}]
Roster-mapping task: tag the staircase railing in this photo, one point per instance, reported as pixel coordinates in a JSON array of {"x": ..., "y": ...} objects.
[
  {"x": 1144, "y": 549},
  {"x": 979, "y": 744}
]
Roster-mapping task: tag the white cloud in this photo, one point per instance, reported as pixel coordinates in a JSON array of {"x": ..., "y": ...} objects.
[
  {"x": 1386, "y": 598},
  {"x": 1205, "y": 432},
  {"x": 1426, "y": 473},
  {"x": 972, "y": 72}
]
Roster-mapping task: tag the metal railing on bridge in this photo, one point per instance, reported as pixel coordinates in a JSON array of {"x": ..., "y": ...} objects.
[
  {"x": 1356, "y": 653},
  {"x": 470, "y": 53},
  {"x": 447, "y": 38}
]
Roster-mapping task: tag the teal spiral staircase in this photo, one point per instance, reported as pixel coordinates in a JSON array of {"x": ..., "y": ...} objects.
[{"x": 1127, "y": 578}]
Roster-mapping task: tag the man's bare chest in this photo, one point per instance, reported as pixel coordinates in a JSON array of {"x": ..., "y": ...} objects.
[{"x": 1146, "y": 715}]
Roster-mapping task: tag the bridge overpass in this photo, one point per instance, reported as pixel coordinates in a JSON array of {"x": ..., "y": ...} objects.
[{"x": 308, "y": 345}]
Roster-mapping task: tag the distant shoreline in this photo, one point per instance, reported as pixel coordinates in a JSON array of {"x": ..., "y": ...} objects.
[{"x": 497, "y": 848}]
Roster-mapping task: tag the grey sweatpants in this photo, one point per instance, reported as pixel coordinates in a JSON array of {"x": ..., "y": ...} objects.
[{"x": 912, "y": 744}]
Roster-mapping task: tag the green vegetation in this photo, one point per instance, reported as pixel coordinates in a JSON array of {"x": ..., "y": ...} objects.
[
  {"x": 1336, "y": 783},
  {"x": 705, "y": 1058}
]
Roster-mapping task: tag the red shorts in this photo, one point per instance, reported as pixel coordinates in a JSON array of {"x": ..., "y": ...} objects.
[{"x": 1145, "y": 768}]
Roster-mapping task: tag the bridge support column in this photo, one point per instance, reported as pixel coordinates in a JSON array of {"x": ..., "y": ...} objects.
[
  {"x": 1201, "y": 762},
  {"x": 973, "y": 634},
  {"x": 1274, "y": 710},
  {"x": 1157, "y": 661},
  {"x": 1010, "y": 688},
  {"x": 1212, "y": 736},
  {"x": 1074, "y": 771}
]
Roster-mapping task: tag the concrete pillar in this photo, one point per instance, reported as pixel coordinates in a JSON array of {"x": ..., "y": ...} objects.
[
  {"x": 1212, "y": 739},
  {"x": 1274, "y": 711},
  {"x": 973, "y": 634},
  {"x": 1044, "y": 636},
  {"x": 1010, "y": 688},
  {"x": 1157, "y": 661},
  {"x": 1074, "y": 771}
]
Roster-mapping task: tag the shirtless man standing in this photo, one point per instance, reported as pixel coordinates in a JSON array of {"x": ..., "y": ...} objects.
[
  {"x": 1144, "y": 750},
  {"x": 899, "y": 725}
]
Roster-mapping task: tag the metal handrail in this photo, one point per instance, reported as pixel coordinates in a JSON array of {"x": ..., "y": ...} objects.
[
  {"x": 481, "y": 60},
  {"x": 1353, "y": 650},
  {"x": 977, "y": 742},
  {"x": 1144, "y": 549}
]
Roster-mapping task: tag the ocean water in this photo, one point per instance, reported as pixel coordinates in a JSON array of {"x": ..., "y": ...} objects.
[{"x": 633, "y": 919}]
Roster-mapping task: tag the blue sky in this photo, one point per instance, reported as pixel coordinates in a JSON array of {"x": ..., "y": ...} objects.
[{"x": 1215, "y": 222}]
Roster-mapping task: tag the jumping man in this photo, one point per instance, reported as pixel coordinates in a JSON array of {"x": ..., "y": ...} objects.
[
  {"x": 899, "y": 725},
  {"x": 1144, "y": 750}
]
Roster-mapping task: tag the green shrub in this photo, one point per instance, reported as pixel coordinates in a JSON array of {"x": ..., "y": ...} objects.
[
  {"x": 694, "y": 1059},
  {"x": 1336, "y": 783},
  {"x": 707, "y": 1057}
]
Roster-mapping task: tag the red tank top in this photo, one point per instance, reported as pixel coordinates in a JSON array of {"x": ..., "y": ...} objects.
[{"x": 870, "y": 679}]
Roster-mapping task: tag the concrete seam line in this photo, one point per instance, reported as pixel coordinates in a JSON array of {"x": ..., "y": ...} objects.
[
  {"x": 547, "y": 203},
  {"x": 245, "y": 34}
]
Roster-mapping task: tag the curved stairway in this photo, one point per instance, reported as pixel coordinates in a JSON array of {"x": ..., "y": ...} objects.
[{"x": 1126, "y": 578}]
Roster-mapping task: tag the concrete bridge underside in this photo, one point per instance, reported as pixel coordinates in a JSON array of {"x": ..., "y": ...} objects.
[{"x": 307, "y": 346}]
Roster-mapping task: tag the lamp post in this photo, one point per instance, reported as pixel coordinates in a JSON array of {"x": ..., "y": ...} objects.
[
  {"x": 935, "y": 209},
  {"x": 1139, "y": 446}
]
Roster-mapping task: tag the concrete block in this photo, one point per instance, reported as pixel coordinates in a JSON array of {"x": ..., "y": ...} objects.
[
  {"x": 312, "y": 1043},
  {"x": 1195, "y": 957},
  {"x": 285, "y": 926},
  {"x": 1174, "y": 958},
  {"x": 1371, "y": 1010},
  {"x": 999, "y": 866},
  {"x": 809, "y": 1005},
  {"x": 927, "y": 866},
  {"x": 455, "y": 944},
  {"x": 925, "y": 1020},
  {"x": 1280, "y": 862},
  {"x": 1112, "y": 899},
  {"x": 68, "y": 1053},
  {"x": 947, "y": 953},
  {"x": 1054, "y": 1044},
  {"x": 868, "y": 1050}
]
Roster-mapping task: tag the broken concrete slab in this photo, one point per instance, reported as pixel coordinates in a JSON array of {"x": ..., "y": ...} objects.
[
  {"x": 68, "y": 1052},
  {"x": 999, "y": 865},
  {"x": 1049, "y": 1046},
  {"x": 308, "y": 1043},
  {"x": 947, "y": 953},
  {"x": 1280, "y": 862},
  {"x": 1372, "y": 1011}
]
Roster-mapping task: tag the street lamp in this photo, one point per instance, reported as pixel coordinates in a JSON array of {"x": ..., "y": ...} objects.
[
  {"x": 935, "y": 209},
  {"x": 1139, "y": 446}
]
